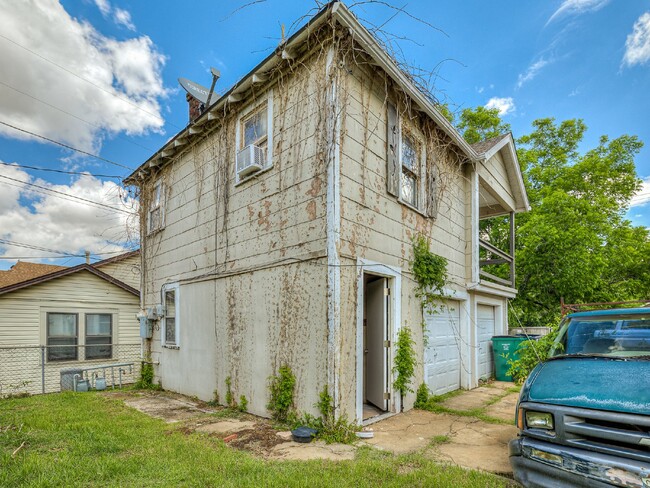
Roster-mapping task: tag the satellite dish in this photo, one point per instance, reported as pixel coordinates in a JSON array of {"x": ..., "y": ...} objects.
[{"x": 199, "y": 92}]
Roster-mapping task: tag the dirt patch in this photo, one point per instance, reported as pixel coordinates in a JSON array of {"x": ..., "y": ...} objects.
[{"x": 259, "y": 440}]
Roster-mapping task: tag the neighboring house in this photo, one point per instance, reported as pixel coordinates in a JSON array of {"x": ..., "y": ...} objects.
[
  {"x": 83, "y": 315},
  {"x": 277, "y": 229}
]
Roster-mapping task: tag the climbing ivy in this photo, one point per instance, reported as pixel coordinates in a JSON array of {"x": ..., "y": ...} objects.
[
  {"x": 405, "y": 362},
  {"x": 430, "y": 272}
]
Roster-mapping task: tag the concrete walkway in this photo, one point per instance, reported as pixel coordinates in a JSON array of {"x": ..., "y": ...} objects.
[{"x": 473, "y": 432}]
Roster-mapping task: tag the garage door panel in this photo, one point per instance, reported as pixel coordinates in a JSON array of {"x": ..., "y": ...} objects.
[{"x": 442, "y": 354}]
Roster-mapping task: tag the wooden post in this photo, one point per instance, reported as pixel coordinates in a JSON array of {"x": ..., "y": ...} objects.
[{"x": 512, "y": 248}]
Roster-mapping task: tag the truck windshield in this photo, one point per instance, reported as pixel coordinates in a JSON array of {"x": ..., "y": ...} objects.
[{"x": 613, "y": 336}]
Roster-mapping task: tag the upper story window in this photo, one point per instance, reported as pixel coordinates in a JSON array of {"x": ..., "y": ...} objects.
[
  {"x": 410, "y": 180},
  {"x": 170, "y": 333},
  {"x": 255, "y": 128},
  {"x": 254, "y": 138},
  {"x": 156, "y": 216},
  {"x": 407, "y": 178}
]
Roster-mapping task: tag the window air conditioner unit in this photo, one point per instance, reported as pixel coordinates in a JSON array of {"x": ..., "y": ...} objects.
[{"x": 250, "y": 160}]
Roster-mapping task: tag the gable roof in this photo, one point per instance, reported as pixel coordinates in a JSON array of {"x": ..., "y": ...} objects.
[
  {"x": 24, "y": 270},
  {"x": 505, "y": 144},
  {"x": 338, "y": 12},
  {"x": 66, "y": 272},
  {"x": 483, "y": 147},
  {"x": 117, "y": 259}
]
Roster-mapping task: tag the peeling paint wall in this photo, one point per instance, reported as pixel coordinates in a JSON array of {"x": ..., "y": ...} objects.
[
  {"x": 378, "y": 227},
  {"x": 249, "y": 256}
]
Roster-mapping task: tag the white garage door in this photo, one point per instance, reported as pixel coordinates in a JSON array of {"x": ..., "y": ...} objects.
[
  {"x": 486, "y": 327},
  {"x": 442, "y": 353}
]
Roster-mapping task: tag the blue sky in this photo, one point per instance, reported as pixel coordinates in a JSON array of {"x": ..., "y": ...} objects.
[{"x": 100, "y": 75}]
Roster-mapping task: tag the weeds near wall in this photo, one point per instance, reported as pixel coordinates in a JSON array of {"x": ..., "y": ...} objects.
[
  {"x": 405, "y": 362},
  {"x": 422, "y": 396},
  {"x": 329, "y": 428},
  {"x": 282, "y": 387},
  {"x": 230, "y": 398},
  {"x": 145, "y": 382},
  {"x": 243, "y": 404}
]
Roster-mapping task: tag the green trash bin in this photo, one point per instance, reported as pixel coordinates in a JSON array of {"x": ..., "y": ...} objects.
[{"x": 505, "y": 348}]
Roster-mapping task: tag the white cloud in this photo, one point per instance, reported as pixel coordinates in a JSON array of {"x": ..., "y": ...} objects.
[
  {"x": 120, "y": 16},
  {"x": 642, "y": 197},
  {"x": 532, "y": 71},
  {"x": 104, "y": 7},
  {"x": 128, "y": 72},
  {"x": 576, "y": 7},
  {"x": 49, "y": 221},
  {"x": 123, "y": 18},
  {"x": 637, "y": 45},
  {"x": 480, "y": 89},
  {"x": 504, "y": 105}
]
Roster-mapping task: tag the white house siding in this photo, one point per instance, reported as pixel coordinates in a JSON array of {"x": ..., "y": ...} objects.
[
  {"x": 126, "y": 270},
  {"x": 22, "y": 325},
  {"x": 494, "y": 173},
  {"x": 377, "y": 227},
  {"x": 256, "y": 248}
]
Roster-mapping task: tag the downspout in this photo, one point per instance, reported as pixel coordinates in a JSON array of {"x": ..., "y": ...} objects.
[{"x": 333, "y": 134}]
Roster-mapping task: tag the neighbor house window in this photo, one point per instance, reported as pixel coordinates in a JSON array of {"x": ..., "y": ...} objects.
[
  {"x": 410, "y": 170},
  {"x": 253, "y": 138},
  {"x": 62, "y": 336},
  {"x": 170, "y": 329},
  {"x": 156, "y": 217},
  {"x": 99, "y": 335}
]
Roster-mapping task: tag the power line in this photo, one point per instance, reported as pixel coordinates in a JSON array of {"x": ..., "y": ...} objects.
[
  {"x": 126, "y": 100},
  {"x": 70, "y": 114},
  {"x": 66, "y": 146},
  {"x": 68, "y": 195},
  {"x": 33, "y": 247},
  {"x": 52, "y": 170}
]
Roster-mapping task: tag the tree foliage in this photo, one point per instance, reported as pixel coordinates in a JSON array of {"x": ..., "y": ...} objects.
[
  {"x": 575, "y": 242},
  {"x": 481, "y": 123}
]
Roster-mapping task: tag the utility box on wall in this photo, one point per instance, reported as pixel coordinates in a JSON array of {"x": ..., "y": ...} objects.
[{"x": 146, "y": 328}]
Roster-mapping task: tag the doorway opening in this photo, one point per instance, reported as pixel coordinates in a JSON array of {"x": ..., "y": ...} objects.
[{"x": 376, "y": 345}]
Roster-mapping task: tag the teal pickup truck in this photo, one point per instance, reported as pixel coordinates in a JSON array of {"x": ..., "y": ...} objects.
[{"x": 584, "y": 413}]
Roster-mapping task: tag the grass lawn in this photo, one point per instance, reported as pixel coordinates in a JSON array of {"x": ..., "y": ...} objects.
[{"x": 90, "y": 440}]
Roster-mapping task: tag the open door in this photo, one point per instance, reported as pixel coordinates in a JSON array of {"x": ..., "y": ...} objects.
[{"x": 376, "y": 364}]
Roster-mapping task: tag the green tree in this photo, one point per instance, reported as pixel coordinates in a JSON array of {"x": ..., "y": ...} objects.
[
  {"x": 575, "y": 243},
  {"x": 481, "y": 123}
]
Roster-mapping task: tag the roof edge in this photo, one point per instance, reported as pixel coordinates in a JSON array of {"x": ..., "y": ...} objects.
[
  {"x": 346, "y": 18},
  {"x": 66, "y": 272}
]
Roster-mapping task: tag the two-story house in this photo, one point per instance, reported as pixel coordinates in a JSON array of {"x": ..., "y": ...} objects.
[{"x": 277, "y": 229}]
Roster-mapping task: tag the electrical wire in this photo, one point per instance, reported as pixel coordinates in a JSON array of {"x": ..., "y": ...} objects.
[
  {"x": 65, "y": 145},
  {"x": 71, "y": 114},
  {"x": 67, "y": 195},
  {"x": 53, "y": 170}
]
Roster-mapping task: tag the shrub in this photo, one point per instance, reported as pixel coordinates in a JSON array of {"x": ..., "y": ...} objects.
[
  {"x": 531, "y": 353},
  {"x": 281, "y": 387}
]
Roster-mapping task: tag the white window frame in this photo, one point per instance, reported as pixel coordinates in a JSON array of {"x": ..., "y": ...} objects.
[
  {"x": 177, "y": 323},
  {"x": 81, "y": 314},
  {"x": 268, "y": 100},
  {"x": 417, "y": 138},
  {"x": 157, "y": 203}
]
